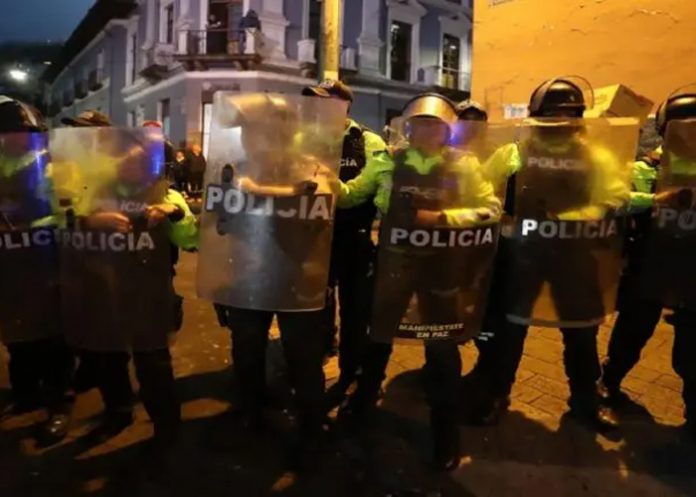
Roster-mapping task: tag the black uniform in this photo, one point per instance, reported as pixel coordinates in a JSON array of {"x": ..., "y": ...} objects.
[{"x": 352, "y": 256}]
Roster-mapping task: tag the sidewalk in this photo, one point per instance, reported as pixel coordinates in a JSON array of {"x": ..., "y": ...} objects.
[{"x": 534, "y": 451}]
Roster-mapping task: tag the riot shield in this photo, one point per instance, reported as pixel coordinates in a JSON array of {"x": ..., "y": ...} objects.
[
  {"x": 667, "y": 272},
  {"x": 268, "y": 211},
  {"x": 116, "y": 281},
  {"x": 29, "y": 297},
  {"x": 571, "y": 194},
  {"x": 438, "y": 238}
]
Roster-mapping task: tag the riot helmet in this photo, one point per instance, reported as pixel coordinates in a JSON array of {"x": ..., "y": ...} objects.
[
  {"x": 681, "y": 105},
  {"x": 558, "y": 97},
  {"x": 17, "y": 117},
  {"x": 427, "y": 121},
  {"x": 470, "y": 110}
]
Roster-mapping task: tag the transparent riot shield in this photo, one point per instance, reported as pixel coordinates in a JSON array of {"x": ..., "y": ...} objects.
[
  {"x": 269, "y": 203},
  {"x": 438, "y": 238},
  {"x": 29, "y": 298},
  {"x": 571, "y": 192},
  {"x": 116, "y": 281},
  {"x": 667, "y": 272}
]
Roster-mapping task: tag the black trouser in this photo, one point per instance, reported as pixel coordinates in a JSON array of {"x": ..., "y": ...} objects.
[
  {"x": 155, "y": 375},
  {"x": 41, "y": 371},
  {"x": 196, "y": 182},
  {"x": 351, "y": 262},
  {"x": 302, "y": 337},
  {"x": 579, "y": 358},
  {"x": 634, "y": 326},
  {"x": 441, "y": 372}
]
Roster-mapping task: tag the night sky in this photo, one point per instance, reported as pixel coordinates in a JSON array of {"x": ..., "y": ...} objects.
[{"x": 41, "y": 20}]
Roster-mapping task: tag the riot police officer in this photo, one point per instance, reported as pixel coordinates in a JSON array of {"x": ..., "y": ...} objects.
[
  {"x": 41, "y": 365},
  {"x": 639, "y": 312},
  {"x": 270, "y": 259},
  {"x": 422, "y": 166},
  {"x": 352, "y": 250},
  {"x": 499, "y": 357},
  {"x": 117, "y": 268}
]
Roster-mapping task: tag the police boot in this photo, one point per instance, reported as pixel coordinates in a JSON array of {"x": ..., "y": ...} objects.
[
  {"x": 488, "y": 412},
  {"x": 111, "y": 425},
  {"x": 592, "y": 414},
  {"x": 446, "y": 444},
  {"x": 609, "y": 388},
  {"x": 336, "y": 394},
  {"x": 55, "y": 429}
]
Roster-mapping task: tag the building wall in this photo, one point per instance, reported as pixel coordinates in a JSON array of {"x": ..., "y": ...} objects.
[
  {"x": 644, "y": 44},
  {"x": 187, "y": 91}
]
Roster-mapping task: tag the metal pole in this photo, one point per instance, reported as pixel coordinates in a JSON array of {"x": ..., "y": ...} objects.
[{"x": 330, "y": 47}]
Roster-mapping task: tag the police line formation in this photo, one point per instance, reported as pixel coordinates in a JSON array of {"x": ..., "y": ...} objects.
[{"x": 485, "y": 230}]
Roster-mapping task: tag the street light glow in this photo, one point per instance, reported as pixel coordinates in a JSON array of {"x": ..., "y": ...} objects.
[{"x": 18, "y": 75}]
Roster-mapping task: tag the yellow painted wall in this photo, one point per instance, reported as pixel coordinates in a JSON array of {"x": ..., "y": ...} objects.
[{"x": 648, "y": 45}]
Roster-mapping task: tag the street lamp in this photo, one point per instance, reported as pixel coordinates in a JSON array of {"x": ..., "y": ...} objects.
[{"x": 18, "y": 75}]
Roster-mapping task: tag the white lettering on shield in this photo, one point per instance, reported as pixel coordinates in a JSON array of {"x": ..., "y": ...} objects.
[
  {"x": 234, "y": 201},
  {"x": 441, "y": 238},
  {"x": 684, "y": 220},
  {"x": 555, "y": 163},
  {"x": 14, "y": 240},
  {"x": 107, "y": 242},
  {"x": 567, "y": 230}
]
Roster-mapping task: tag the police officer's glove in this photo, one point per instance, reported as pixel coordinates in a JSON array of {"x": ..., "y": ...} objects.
[{"x": 307, "y": 187}]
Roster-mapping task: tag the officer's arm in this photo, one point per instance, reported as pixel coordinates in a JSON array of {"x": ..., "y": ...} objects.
[
  {"x": 502, "y": 164},
  {"x": 644, "y": 177},
  {"x": 609, "y": 189},
  {"x": 482, "y": 206},
  {"x": 183, "y": 232},
  {"x": 372, "y": 180}
]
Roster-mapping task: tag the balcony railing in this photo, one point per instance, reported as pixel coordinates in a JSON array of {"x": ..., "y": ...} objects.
[
  {"x": 446, "y": 78},
  {"x": 201, "y": 49},
  {"x": 95, "y": 81}
]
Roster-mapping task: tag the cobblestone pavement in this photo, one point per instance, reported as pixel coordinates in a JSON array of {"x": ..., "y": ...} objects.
[{"x": 535, "y": 451}]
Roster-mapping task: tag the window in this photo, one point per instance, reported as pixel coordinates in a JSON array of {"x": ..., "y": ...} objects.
[
  {"x": 167, "y": 24},
  {"x": 163, "y": 115},
  {"x": 132, "y": 63},
  {"x": 400, "y": 56},
  {"x": 450, "y": 61},
  {"x": 207, "y": 112},
  {"x": 315, "y": 26},
  {"x": 131, "y": 119},
  {"x": 100, "y": 60}
]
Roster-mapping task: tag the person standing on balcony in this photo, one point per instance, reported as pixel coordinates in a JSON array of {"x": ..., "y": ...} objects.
[
  {"x": 249, "y": 21},
  {"x": 215, "y": 36}
]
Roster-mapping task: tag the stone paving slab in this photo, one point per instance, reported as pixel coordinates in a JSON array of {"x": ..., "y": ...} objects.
[{"x": 535, "y": 451}]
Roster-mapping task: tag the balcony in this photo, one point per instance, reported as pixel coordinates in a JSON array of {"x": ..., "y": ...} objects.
[
  {"x": 68, "y": 98},
  {"x": 156, "y": 62},
  {"x": 95, "y": 80},
  {"x": 454, "y": 84},
  {"x": 80, "y": 89},
  {"x": 200, "y": 50}
]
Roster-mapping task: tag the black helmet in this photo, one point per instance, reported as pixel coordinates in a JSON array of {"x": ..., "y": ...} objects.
[
  {"x": 557, "y": 95},
  {"x": 677, "y": 107},
  {"x": 17, "y": 117},
  {"x": 469, "y": 110}
]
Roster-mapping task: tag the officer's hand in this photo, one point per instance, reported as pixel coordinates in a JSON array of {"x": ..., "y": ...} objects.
[
  {"x": 109, "y": 221},
  {"x": 247, "y": 185},
  {"x": 306, "y": 187},
  {"x": 427, "y": 218},
  {"x": 158, "y": 213}
]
